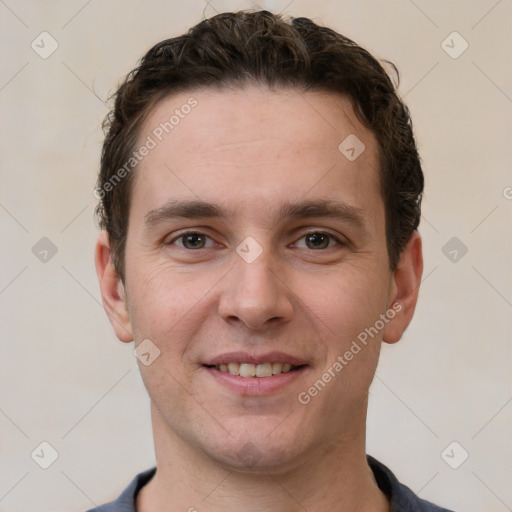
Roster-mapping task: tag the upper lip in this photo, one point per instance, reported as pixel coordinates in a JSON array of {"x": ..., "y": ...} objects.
[{"x": 246, "y": 357}]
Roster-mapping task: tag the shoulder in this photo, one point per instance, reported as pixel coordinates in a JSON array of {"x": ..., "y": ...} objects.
[
  {"x": 402, "y": 498},
  {"x": 126, "y": 501}
]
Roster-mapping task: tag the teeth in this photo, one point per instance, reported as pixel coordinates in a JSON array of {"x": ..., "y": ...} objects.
[
  {"x": 263, "y": 370},
  {"x": 247, "y": 370},
  {"x": 255, "y": 370},
  {"x": 234, "y": 368},
  {"x": 277, "y": 368}
]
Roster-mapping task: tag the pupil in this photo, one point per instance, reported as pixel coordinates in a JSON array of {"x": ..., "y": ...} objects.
[
  {"x": 193, "y": 239},
  {"x": 315, "y": 238}
]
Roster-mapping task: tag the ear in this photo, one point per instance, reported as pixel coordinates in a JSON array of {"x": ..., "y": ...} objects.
[
  {"x": 112, "y": 290},
  {"x": 404, "y": 289}
]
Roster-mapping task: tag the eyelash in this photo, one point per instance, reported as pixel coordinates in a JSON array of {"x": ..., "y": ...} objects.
[{"x": 314, "y": 232}]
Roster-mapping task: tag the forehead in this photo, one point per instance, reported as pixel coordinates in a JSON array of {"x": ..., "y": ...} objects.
[{"x": 256, "y": 145}]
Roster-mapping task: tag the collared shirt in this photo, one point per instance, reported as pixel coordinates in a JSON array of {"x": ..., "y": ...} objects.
[{"x": 401, "y": 498}]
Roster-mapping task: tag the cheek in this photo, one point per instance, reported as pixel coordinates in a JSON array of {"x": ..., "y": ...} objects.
[
  {"x": 156, "y": 301},
  {"x": 171, "y": 307},
  {"x": 345, "y": 308},
  {"x": 347, "y": 300}
]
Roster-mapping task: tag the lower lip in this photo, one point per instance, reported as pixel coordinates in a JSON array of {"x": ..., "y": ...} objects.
[{"x": 255, "y": 386}]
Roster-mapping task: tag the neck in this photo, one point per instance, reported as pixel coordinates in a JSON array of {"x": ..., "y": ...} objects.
[{"x": 329, "y": 477}]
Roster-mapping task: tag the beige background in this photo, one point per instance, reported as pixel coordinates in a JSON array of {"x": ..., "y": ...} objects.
[{"x": 66, "y": 380}]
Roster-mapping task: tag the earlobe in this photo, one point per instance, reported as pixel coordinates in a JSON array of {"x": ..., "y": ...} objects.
[
  {"x": 405, "y": 289},
  {"x": 112, "y": 290}
]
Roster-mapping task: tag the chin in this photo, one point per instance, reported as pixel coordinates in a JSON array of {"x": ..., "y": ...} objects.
[{"x": 255, "y": 455}]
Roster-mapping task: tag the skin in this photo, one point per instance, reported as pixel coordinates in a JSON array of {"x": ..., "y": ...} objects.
[{"x": 250, "y": 150}]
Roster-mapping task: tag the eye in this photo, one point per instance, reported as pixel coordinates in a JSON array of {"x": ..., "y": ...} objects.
[
  {"x": 191, "y": 240},
  {"x": 319, "y": 240},
  {"x": 314, "y": 240}
]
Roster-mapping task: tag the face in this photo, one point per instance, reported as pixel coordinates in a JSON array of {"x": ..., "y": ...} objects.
[{"x": 254, "y": 239}]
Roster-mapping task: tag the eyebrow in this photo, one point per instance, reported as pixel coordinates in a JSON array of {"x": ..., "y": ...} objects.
[{"x": 190, "y": 209}]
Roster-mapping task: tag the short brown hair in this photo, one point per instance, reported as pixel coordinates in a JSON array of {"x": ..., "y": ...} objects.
[{"x": 234, "y": 49}]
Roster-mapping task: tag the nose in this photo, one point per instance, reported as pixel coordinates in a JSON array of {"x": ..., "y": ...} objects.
[{"x": 255, "y": 295}]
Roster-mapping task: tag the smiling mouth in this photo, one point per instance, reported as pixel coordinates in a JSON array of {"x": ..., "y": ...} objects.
[{"x": 255, "y": 370}]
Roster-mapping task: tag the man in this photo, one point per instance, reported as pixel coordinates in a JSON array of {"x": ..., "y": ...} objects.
[{"x": 260, "y": 192}]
